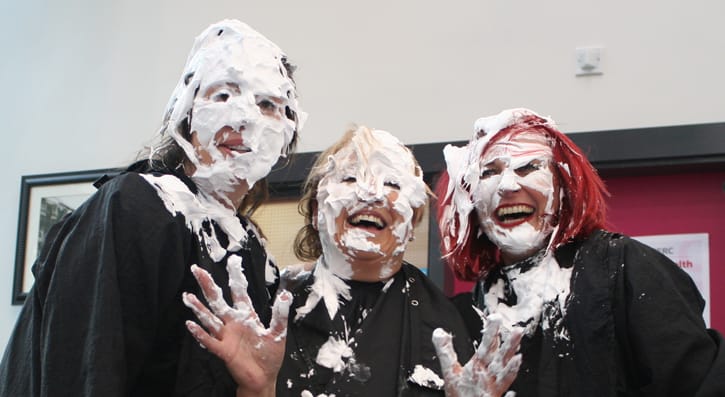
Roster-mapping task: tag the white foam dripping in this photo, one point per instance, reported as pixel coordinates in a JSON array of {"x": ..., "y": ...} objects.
[
  {"x": 463, "y": 165},
  {"x": 326, "y": 287},
  {"x": 544, "y": 284},
  {"x": 197, "y": 209},
  {"x": 374, "y": 172},
  {"x": 230, "y": 71},
  {"x": 357, "y": 239}
]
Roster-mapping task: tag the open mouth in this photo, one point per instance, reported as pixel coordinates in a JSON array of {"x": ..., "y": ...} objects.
[
  {"x": 229, "y": 141},
  {"x": 513, "y": 215},
  {"x": 367, "y": 221},
  {"x": 235, "y": 148},
  {"x": 238, "y": 148}
]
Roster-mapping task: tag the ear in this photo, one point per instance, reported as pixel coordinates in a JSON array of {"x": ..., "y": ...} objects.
[{"x": 417, "y": 216}]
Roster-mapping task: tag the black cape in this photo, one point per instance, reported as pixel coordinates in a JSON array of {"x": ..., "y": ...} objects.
[
  {"x": 394, "y": 337},
  {"x": 635, "y": 325},
  {"x": 105, "y": 315}
]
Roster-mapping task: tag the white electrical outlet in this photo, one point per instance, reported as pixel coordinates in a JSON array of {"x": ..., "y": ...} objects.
[{"x": 588, "y": 61}]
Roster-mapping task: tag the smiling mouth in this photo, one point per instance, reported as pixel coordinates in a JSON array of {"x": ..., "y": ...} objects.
[
  {"x": 514, "y": 214},
  {"x": 236, "y": 148},
  {"x": 367, "y": 221}
]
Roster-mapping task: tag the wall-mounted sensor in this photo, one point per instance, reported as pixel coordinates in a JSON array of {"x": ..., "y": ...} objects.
[{"x": 588, "y": 60}]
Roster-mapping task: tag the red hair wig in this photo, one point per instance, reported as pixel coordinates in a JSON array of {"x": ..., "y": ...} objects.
[{"x": 582, "y": 207}]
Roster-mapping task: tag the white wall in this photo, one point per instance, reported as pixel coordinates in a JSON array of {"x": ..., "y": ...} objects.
[{"x": 84, "y": 82}]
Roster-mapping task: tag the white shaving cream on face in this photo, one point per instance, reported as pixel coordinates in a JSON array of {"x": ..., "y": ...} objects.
[
  {"x": 511, "y": 154},
  {"x": 236, "y": 93},
  {"x": 373, "y": 174},
  {"x": 546, "y": 284},
  {"x": 376, "y": 175},
  {"x": 468, "y": 192}
]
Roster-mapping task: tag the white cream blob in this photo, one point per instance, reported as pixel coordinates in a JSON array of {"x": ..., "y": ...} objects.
[
  {"x": 334, "y": 354},
  {"x": 236, "y": 92},
  {"x": 426, "y": 377},
  {"x": 200, "y": 208},
  {"x": 363, "y": 176},
  {"x": 306, "y": 393}
]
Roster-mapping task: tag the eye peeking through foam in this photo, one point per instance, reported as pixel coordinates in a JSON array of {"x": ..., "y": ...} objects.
[
  {"x": 239, "y": 104},
  {"x": 506, "y": 175},
  {"x": 368, "y": 195},
  {"x": 515, "y": 198}
]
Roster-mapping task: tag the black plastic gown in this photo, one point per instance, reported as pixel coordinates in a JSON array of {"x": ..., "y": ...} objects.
[
  {"x": 105, "y": 316},
  {"x": 635, "y": 326},
  {"x": 388, "y": 342}
]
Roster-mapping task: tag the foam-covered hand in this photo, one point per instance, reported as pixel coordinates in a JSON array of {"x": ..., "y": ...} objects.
[
  {"x": 252, "y": 353},
  {"x": 490, "y": 371}
]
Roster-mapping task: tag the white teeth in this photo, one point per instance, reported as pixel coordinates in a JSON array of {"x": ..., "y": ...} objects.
[
  {"x": 239, "y": 148},
  {"x": 355, "y": 220},
  {"x": 516, "y": 209}
]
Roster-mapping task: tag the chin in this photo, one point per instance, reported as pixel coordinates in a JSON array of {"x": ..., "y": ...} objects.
[
  {"x": 518, "y": 241},
  {"x": 356, "y": 254}
]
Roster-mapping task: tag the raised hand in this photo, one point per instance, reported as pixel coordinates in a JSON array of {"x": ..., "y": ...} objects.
[
  {"x": 252, "y": 353},
  {"x": 490, "y": 371}
]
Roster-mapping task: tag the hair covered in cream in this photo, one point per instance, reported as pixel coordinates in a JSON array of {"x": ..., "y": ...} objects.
[
  {"x": 232, "y": 77},
  {"x": 372, "y": 170},
  {"x": 367, "y": 178},
  {"x": 468, "y": 193},
  {"x": 230, "y": 70},
  {"x": 359, "y": 176},
  {"x": 509, "y": 152},
  {"x": 581, "y": 206}
]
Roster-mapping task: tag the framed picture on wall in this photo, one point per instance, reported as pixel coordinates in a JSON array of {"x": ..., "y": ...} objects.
[{"x": 44, "y": 200}]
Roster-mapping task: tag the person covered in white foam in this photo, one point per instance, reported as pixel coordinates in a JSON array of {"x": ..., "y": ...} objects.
[
  {"x": 362, "y": 319},
  {"x": 522, "y": 212},
  {"x": 106, "y": 317}
]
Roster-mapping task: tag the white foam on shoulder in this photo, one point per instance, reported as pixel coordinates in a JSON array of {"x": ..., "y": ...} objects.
[{"x": 197, "y": 209}]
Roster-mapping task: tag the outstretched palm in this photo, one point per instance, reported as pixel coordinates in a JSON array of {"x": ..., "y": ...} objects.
[
  {"x": 252, "y": 353},
  {"x": 490, "y": 371}
]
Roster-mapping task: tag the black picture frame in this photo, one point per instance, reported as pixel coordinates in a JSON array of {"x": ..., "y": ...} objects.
[{"x": 44, "y": 200}]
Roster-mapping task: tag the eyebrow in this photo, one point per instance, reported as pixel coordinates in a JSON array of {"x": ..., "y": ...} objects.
[{"x": 226, "y": 84}]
